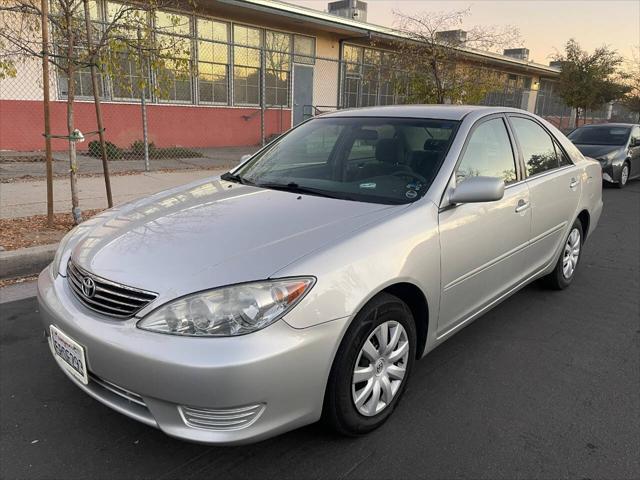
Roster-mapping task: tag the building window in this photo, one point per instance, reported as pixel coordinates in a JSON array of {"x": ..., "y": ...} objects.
[
  {"x": 213, "y": 62},
  {"x": 173, "y": 38},
  {"x": 370, "y": 78},
  {"x": 130, "y": 80},
  {"x": 83, "y": 86},
  {"x": 352, "y": 75},
  {"x": 128, "y": 76},
  {"x": 277, "y": 68},
  {"x": 304, "y": 49},
  {"x": 246, "y": 69}
]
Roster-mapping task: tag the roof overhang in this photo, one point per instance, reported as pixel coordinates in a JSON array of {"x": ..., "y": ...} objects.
[{"x": 349, "y": 28}]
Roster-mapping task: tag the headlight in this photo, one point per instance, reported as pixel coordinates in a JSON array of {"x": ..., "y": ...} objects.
[
  {"x": 55, "y": 265},
  {"x": 228, "y": 311},
  {"x": 609, "y": 156}
]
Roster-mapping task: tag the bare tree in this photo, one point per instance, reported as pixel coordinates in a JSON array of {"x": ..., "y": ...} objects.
[
  {"x": 82, "y": 40},
  {"x": 446, "y": 68}
]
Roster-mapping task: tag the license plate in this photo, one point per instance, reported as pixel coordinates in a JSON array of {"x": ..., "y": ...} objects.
[{"x": 69, "y": 354}]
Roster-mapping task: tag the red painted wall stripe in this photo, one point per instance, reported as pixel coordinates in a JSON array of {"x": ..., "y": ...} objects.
[{"x": 21, "y": 124}]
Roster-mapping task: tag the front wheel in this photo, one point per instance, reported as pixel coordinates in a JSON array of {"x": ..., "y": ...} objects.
[
  {"x": 371, "y": 368},
  {"x": 565, "y": 269},
  {"x": 624, "y": 176}
]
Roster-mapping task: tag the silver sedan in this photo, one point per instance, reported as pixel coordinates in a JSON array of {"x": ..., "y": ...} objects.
[{"x": 306, "y": 282}]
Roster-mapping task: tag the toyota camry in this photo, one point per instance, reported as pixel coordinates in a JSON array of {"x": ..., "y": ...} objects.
[{"x": 305, "y": 283}]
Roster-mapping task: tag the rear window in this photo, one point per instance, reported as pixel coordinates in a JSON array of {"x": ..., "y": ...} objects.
[{"x": 600, "y": 135}]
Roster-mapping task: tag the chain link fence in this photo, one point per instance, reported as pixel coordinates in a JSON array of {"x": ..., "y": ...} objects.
[{"x": 234, "y": 98}]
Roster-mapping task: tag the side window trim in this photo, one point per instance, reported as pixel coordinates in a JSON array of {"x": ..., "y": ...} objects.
[{"x": 521, "y": 167}]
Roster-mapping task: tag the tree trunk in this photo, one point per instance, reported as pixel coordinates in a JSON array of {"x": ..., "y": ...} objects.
[
  {"x": 96, "y": 101},
  {"x": 438, "y": 82},
  {"x": 73, "y": 165},
  {"x": 45, "y": 103}
]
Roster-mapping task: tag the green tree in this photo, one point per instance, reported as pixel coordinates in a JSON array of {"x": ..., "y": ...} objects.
[
  {"x": 589, "y": 80},
  {"x": 632, "y": 98}
]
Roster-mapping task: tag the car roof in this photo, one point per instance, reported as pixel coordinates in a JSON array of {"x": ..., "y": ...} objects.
[{"x": 441, "y": 112}]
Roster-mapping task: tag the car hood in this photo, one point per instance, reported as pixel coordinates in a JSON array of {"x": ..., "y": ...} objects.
[
  {"x": 597, "y": 151},
  {"x": 214, "y": 233}
]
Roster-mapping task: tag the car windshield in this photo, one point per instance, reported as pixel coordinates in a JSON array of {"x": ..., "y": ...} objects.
[
  {"x": 379, "y": 160},
  {"x": 600, "y": 135}
]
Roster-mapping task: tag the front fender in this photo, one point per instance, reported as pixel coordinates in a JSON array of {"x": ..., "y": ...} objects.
[{"x": 403, "y": 249}]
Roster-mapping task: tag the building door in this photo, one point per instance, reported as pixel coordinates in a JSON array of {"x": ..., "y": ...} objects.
[{"x": 302, "y": 93}]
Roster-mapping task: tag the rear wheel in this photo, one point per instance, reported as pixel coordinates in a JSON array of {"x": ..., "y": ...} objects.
[
  {"x": 371, "y": 368},
  {"x": 565, "y": 269},
  {"x": 624, "y": 176}
]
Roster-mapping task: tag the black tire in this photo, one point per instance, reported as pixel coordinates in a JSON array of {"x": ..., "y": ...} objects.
[
  {"x": 340, "y": 412},
  {"x": 557, "y": 280},
  {"x": 620, "y": 183}
]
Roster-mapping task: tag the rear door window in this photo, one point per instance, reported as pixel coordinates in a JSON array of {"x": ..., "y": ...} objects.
[{"x": 538, "y": 148}]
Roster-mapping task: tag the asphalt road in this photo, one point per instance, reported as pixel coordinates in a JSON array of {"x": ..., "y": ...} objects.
[{"x": 546, "y": 385}]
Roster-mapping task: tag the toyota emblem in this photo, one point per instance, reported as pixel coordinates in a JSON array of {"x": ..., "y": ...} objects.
[{"x": 88, "y": 287}]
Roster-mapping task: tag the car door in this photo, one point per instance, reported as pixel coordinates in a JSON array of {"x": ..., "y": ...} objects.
[
  {"x": 483, "y": 244},
  {"x": 634, "y": 150},
  {"x": 554, "y": 184}
]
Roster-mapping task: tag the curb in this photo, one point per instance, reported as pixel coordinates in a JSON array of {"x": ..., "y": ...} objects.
[{"x": 26, "y": 261}]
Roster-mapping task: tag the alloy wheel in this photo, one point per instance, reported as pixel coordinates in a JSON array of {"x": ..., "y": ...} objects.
[
  {"x": 571, "y": 253},
  {"x": 624, "y": 175},
  {"x": 380, "y": 368}
]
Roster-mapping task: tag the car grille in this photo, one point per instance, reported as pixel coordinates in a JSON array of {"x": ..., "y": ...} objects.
[
  {"x": 106, "y": 297},
  {"x": 221, "y": 419}
]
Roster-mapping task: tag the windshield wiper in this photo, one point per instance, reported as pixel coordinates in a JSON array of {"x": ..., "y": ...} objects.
[
  {"x": 293, "y": 187},
  {"x": 233, "y": 177}
]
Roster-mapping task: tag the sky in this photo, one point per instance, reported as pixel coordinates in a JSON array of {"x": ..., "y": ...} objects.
[{"x": 544, "y": 25}]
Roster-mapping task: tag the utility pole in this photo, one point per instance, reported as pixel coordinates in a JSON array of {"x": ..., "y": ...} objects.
[
  {"x": 96, "y": 101},
  {"x": 47, "y": 121}
]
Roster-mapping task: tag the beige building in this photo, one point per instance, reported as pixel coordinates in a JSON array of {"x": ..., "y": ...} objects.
[{"x": 257, "y": 68}]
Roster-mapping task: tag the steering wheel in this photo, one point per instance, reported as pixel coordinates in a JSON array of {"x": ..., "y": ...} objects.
[{"x": 406, "y": 173}]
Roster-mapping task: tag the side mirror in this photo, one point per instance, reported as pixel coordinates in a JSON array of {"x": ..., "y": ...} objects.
[
  {"x": 478, "y": 190},
  {"x": 244, "y": 158},
  {"x": 634, "y": 142}
]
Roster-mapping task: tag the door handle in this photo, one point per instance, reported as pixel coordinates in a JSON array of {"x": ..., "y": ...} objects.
[
  {"x": 573, "y": 184},
  {"x": 522, "y": 205}
]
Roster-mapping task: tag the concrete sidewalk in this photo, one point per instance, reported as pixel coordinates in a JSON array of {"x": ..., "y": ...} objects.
[
  {"x": 26, "y": 198},
  {"x": 14, "y": 166}
]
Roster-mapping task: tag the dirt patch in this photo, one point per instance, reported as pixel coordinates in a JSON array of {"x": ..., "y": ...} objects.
[
  {"x": 12, "y": 281},
  {"x": 21, "y": 158},
  {"x": 25, "y": 232}
]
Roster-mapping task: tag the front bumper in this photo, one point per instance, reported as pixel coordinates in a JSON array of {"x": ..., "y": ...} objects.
[
  {"x": 610, "y": 171},
  {"x": 279, "y": 372}
]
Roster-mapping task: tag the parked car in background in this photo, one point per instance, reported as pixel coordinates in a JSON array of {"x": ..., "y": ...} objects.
[
  {"x": 615, "y": 145},
  {"x": 306, "y": 282}
]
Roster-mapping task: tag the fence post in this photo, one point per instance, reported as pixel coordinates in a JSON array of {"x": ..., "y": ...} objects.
[
  {"x": 263, "y": 100},
  {"x": 143, "y": 105}
]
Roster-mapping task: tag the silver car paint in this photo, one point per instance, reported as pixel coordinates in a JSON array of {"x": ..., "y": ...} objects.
[{"x": 214, "y": 233}]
